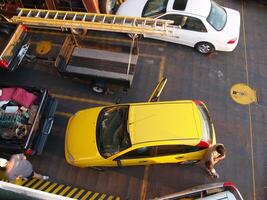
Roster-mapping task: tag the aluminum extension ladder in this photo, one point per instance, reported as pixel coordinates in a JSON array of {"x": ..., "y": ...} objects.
[{"x": 93, "y": 21}]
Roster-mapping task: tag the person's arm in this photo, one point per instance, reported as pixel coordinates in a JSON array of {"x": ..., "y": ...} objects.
[{"x": 219, "y": 158}]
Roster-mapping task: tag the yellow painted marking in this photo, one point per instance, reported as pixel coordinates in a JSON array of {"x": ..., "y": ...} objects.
[
  {"x": 23, "y": 181},
  {"x": 44, "y": 185},
  {"x": 29, "y": 183},
  {"x": 243, "y": 94},
  {"x": 43, "y": 47},
  {"x": 94, "y": 196},
  {"x": 65, "y": 190},
  {"x": 144, "y": 183},
  {"x": 249, "y": 107},
  {"x": 37, "y": 184},
  {"x": 50, "y": 187},
  {"x": 117, "y": 198},
  {"x": 78, "y": 194},
  {"x": 71, "y": 98},
  {"x": 86, "y": 195},
  {"x": 64, "y": 114},
  {"x": 102, "y": 197},
  {"x": 57, "y": 189},
  {"x": 71, "y": 192},
  {"x": 161, "y": 67},
  {"x": 110, "y": 198},
  {"x": 19, "y": 181}
]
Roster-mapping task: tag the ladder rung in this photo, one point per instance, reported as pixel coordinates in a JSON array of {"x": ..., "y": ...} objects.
[
  {"x": 20, "y": 12},
  {"x": 65, "y": 16},
  {"x": 144, "y": 23},
  {"x": 103, "y": 20},
  {"x": 74, "y": 17},
  {"x": 38, "y": 13},
  {"x": 93, "y": 18},
  {"x": 134, "y": 22},
  {"x": 84, "y": 17},
  {"x": 29, "y": 13},
  {"x": 46, "y": 15},
  {"x": 55, "y": 17},
  {"x": 114, "y": 19}
]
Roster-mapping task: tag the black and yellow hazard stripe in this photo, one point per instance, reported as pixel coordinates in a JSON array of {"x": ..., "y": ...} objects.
[
  {"x": 119, "y": 2},
  {"x": 65, "y": 190}
]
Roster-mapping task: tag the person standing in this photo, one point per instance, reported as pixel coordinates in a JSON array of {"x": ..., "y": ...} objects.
[
  {"x": 19, "y": 167},
  {"x": 213, "y": 155}
]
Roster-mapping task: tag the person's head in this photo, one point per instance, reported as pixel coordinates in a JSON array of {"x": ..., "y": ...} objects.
[
  {"x": 221, "y": 149},
  {"x": 3, "y": 162}
]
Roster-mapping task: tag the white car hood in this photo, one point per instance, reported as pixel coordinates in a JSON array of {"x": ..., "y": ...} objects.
[
  {"x": 232, "y": 27},
  {"x": 132, "y": 8}
]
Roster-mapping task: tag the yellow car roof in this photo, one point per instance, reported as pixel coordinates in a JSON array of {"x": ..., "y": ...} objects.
[{"x": 164, "y": 121}]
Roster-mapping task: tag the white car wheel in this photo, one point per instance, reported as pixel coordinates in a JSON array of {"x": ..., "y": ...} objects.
[
  {"x": 205, "y": 48},
  {"x": 98, "y": 89}
]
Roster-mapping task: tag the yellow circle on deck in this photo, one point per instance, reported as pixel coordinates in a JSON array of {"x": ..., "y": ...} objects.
[
  {"x": 243, "y": 94},
  {"x": 43, "y": 47}
]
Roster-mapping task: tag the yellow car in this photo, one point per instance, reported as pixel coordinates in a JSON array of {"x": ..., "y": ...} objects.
[{"x": 139, "y": 134}]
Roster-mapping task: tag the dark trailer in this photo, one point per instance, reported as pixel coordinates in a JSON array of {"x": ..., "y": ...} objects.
[
  {"x": 26, "y": 119},
  {"x": 14, "y": 44},
  {"x": 109, "y": 64}
]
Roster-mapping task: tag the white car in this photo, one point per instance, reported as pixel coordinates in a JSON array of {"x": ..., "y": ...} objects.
[{"x": 202, "y": 24}]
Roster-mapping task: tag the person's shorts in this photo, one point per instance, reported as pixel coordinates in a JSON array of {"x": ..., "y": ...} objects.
[{"x": 31, "y": 175}]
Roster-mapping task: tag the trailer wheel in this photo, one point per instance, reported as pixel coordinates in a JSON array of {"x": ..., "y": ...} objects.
[
  {"x": 107, "y": 6},
  {"x": 98, "y": 89},
  {"x": 205, "y": 48}
]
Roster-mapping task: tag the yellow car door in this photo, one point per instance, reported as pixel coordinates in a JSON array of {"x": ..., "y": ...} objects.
[
  {"x": 179, "y": 153},
  {"x": 138, "y": 156}
]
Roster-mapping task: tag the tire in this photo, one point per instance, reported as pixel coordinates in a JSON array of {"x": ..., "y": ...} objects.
[
  {"x": 189, "y": 162},
  {"x": 204, "y": 48},
  {"x": 98, "y": 89},
  {"x": 107, "y": 6}
]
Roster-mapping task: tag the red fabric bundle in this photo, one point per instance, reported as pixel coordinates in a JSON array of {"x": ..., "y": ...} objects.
[
  {"x": 7, "y": 94},
  {"x": 23, "y": 97}
]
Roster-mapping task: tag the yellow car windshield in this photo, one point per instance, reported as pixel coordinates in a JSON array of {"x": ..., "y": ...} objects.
[{"x": 112, "y": 134}]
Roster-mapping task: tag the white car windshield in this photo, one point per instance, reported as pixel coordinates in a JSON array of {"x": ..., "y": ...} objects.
[
  {"x": 154, "y": 8},
  {"x": 217, "y": 17}
]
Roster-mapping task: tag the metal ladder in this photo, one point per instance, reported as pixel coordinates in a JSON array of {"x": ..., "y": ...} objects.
[{"x": 93, "y": 21}]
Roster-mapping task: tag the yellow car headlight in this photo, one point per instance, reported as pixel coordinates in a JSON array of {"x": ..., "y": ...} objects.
[{"x": 71, "y": 159}]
